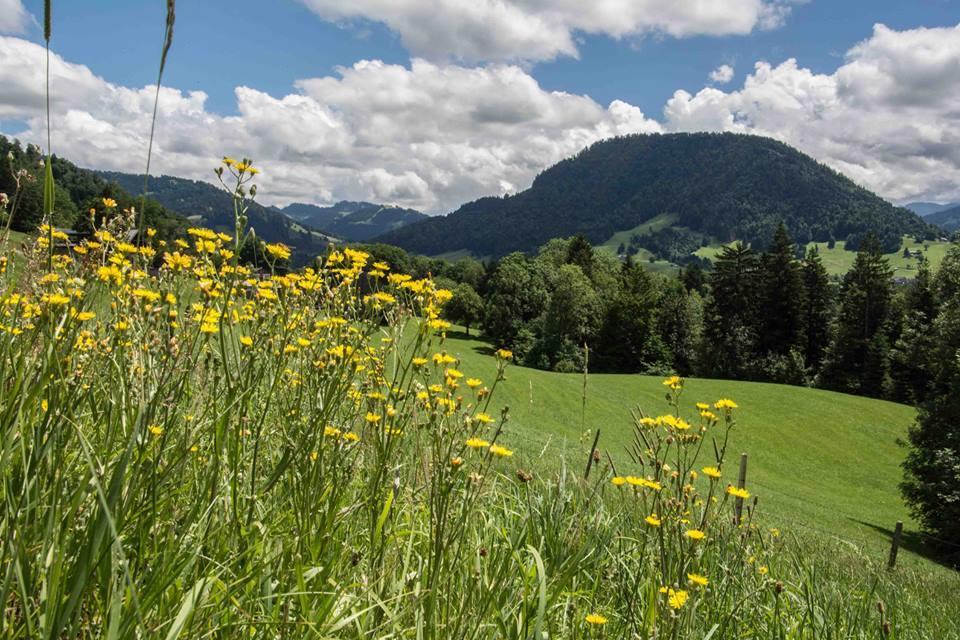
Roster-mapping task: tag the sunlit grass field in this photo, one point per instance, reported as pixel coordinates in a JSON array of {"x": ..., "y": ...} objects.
[
  {"x": 200, "y": 452},
  {"x": 817, "y": 459},
  {"x": 837, "y": 261}
]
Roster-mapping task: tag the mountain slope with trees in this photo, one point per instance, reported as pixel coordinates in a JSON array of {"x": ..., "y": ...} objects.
[
  {"x": 78, "y": 194},
  {"x": 207, "y": 205},
  {"x": 717, "y": 187},
  {"x": 354, "y": 221},
  {"x": 946, "y": 219}
]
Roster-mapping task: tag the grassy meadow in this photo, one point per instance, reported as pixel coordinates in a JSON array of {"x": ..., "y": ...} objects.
[
  {"x": 199, "y": 452},
  {"x": 838, "y": 260},
  {"x": 826, "y": 460}
]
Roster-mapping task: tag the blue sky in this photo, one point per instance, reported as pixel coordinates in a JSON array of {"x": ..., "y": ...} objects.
[
  {"x": 503, "y": 90},
  {"x": 269, "y": 45}
]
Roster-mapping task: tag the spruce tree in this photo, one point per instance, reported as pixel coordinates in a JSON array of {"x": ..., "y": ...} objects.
[
  {"x": 730, "y": 333},
  {"x": 816, "y": 309},
  {"x": 857, "y": 361},
  {"x": 910, "y": 356},
  {"x": 780, "y": 290},
  {"x": 580, "y": 253},
  {"x": 627, "y": 342},
  {"x": 931, "y": 483}
]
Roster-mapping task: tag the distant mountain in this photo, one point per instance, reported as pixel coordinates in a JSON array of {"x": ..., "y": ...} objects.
[
  {"x": 946, "y": 219},
  {"x": 929, "y": 208},
  {"x": 76, "y": 192},
  {"x": 209, "y": 206},
  {"x": 689, "y": 189},
  {"x": 354, "y": 221}
]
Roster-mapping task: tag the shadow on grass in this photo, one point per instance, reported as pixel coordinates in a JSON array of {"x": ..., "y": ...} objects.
[
  {"x": 918, "y": 543},
  {"x": 482, "y": 347}
]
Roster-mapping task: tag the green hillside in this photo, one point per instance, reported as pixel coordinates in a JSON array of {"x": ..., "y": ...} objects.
[
  {"x": 817, "y": 460},
  {"x": 838, "y": 260},
  {"x": 715, "y": 187},
  {"x": 207, "y": 205}
]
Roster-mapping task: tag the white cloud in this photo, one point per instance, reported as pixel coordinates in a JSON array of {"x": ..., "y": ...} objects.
[
  {"x": 428, "y": 136},
  {"x": 433, "y": 136},
  {"x": 888, "y": 117},
  {"x": 722, "y": 74},
  {"x": 506, "y": 30},
  {"x": 13, "y": 17}
]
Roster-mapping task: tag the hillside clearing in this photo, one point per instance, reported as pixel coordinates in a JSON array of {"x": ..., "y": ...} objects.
[{"x": 817, "y": 460}]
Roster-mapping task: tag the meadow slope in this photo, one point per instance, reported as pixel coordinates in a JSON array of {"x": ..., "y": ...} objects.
[{"x": 818, "y": 460}]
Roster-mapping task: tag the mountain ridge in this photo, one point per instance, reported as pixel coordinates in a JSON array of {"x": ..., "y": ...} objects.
[
  {"x": 355, "y": 221},
  {"x": 209, "y": 206},
  {"x": 720, "y": 187}
]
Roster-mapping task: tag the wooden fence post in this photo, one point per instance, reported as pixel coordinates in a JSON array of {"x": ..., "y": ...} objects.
[
  {"x": 741, "y": 483},
  {"x": 895, "y": 545}
]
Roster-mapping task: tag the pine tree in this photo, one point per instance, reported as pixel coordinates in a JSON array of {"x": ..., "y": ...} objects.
[
  {"x": 730, "y": 334},
  {"x": 780, "y": 290},
  {"x": 931, "y": 483},
  {"x": 627, "y": 341},
  {"x": 910, "y": 356},
  {"x": 580, "y": 253},
  {"x": 857, "y": 361},
  {"x": 816, "y": 309}
]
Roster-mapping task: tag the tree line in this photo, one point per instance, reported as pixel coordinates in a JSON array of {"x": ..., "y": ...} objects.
[{"x": 757, "y": 315}]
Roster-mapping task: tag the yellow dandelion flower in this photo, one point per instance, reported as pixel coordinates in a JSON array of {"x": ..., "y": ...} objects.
[
  {"x": 652, "y": 520},
  {"x": 695, "y": 534},
  {"x": 674, "y": 382},
  {"x": 477, "y": 443},
  {"x": 736, "y": 492},
  {"x": 595, "y": 618},
  {"x": 677, "y": 599},
  {"x": 697, "y": 579},
  {"x": 711, "y": 472},
  {"x": 500, "y": 452},
  {"x": 725, "y": 404}
]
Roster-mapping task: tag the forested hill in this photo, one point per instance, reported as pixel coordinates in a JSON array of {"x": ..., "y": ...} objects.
[
  {"x": 76, "y": 192},
  {"x": 947, "y": 219},
  {"x": 207, "y": 205},
  {"x": 710, "y": 187},
  {"x": 354, "y": 221}
]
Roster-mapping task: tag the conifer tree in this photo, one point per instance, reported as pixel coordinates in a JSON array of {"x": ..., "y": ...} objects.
[
  {"x": 857, "y": 361},
  {"x": 729, "y": 319},
  {"x": 780, "y": 290},
  {"x": 816, "y": 309},
  {"x": 932, "y": 468},
  {"x": 910, "y": 363},
  {"x": 627, "y": 341}
]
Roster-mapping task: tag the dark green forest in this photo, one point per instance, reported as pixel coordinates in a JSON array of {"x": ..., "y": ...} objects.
[
  {"x": 79, "y": 194},
  {"x": 720, "y": 187},
  {"x": 209, "y": 206}
]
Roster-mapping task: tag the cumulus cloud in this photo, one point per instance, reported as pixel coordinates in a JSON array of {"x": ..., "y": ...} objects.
[
  {"x": 888, "y": 117},
  {"x": 505, "y": 30},
  {"x": 433, "y": 136},
  {"x": 428, "y": 136},
  {"x": 722, "y": 74},
  {"x": 13, "y": 17}
]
